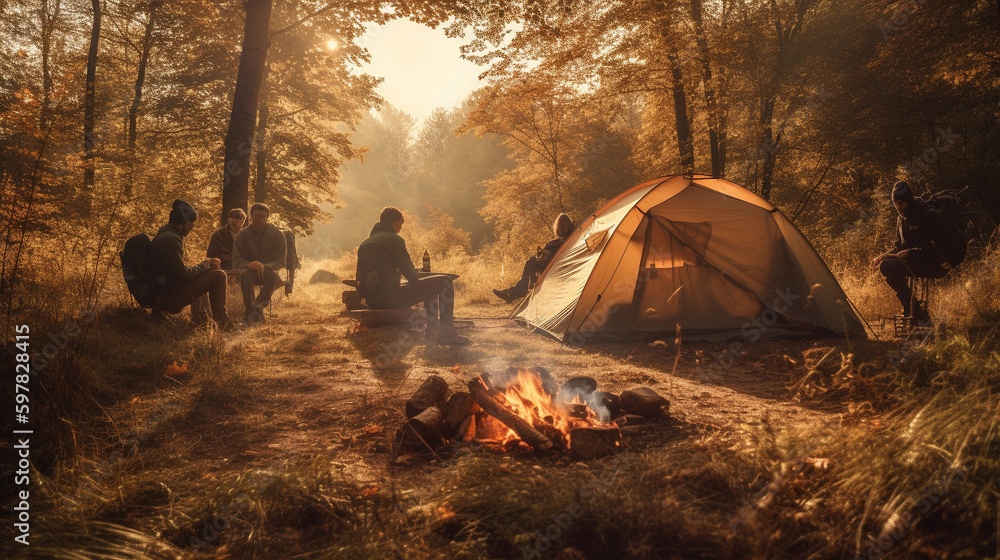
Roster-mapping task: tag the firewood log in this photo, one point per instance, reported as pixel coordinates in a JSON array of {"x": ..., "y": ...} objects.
[
  {"x": 591, "y": 443},
  {"x": 606, "y": 405},
  {"x": 432, "y": 392},
  {"x": 421, "y": 432},
  {"x": 498, "y": 410},
  {"x": 644, "y": 402},
  {"x": 460, "y": 406}
]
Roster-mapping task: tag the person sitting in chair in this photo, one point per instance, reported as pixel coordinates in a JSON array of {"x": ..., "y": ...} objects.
[
  {"x": 923, "y": 243},
  {"x": 562, "y": 227},
  {"x": 185, "y": 284},
  {"x": 258, "y": 255},
  {"x": 220, "y": 246},
  {"x": 383, "y": 258}
]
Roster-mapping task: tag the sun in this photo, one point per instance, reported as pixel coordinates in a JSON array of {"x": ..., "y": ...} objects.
[{"x": 332, "y": 45}]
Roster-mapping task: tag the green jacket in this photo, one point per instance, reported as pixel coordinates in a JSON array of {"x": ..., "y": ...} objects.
[
  {"x": 382, "y": 259},
  {"x": 168, "y": 249}
]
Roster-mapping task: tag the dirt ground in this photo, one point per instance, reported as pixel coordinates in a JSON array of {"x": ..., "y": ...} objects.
[{"x": 331, "y": 385}]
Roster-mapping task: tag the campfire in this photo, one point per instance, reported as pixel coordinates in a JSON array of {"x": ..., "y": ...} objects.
[{"x": 525, "y": 407}]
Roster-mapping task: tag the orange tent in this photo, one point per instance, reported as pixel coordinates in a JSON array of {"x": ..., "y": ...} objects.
[{"x": 696, "y": 251}]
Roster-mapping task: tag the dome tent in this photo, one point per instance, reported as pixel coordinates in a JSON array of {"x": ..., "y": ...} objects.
[{"x": 696, "y": 251}]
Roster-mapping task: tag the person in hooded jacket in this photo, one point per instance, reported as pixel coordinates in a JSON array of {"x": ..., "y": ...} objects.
[
  {"x": 383, "y": 259},
  {"x": 924, "y": 245},
  {"x": 185, "y": 284}
]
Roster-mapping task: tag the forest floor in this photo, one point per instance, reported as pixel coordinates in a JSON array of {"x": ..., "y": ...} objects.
[{"x": 275, "y": 443}]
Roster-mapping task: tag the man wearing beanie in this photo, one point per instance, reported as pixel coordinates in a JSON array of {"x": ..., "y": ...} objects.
[
  {"x": 923, "y": 240},
  {"x": 258, "y": 255},
  {"x": 185, "y": 283}
]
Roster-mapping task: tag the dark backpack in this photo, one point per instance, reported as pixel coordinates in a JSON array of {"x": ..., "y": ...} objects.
[
  {"x": 140, "y": 270},
  {"x": 948, "y": 204}
]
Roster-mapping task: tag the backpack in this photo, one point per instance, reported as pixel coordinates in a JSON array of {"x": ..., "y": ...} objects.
[
  {"x": 140, "y": 270},
  {"x": 948, "y": 204}
]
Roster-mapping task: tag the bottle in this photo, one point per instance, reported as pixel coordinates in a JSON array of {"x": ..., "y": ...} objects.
[{"x": 427, "y": 262}]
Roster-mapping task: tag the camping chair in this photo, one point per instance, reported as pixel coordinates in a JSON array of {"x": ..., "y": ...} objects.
[
  {"x": 258, "y": 285},
  {"x": 922, "y": 290}
]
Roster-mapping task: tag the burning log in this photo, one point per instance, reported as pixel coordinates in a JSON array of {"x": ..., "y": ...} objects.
[
  {"x": 467, "y": 431},
  {"x": 421, "y": 431},
  {"x": 503, "y": 380},
  {"x": 591, "y": 443},
  {"x": 644, "y": 402},
  {"x": 461, "y": 406},
  {"x": 432, "y": 392},
  {"x": 606, "y": 405},
  {"x": 499, "y": 411}
]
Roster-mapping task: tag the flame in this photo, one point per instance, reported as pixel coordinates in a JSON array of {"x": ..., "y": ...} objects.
[{"x": 527, "y": 398}]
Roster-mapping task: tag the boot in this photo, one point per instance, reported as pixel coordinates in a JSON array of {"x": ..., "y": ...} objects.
[
  {"x": 448, "y": 337},
  {"x": 504, "y": 295}
]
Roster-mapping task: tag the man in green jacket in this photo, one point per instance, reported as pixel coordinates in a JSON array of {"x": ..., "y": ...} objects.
[
  {"x": 383, "y": 258},
  {"x": 258, "y": 255},
  {"x": 185, "y": 283}
]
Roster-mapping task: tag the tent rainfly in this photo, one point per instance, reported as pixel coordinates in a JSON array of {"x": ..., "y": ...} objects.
[{"x": 693, "y": 251}]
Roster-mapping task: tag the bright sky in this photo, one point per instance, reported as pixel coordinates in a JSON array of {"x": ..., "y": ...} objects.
[{"x": 423, "y": 69}]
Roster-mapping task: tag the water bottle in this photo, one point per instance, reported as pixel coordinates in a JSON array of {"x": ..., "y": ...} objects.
[{"x": 427, "y": 262}]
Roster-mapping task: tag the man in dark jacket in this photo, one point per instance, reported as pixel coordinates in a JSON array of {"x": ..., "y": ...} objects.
[
  {"x": 220, "y": 246},
  {"x": 187, "y": 283},
  {"x": 383, "y": 258},
  {"x": 924, "y": 243},
  {"x": 258, "y": 254}
]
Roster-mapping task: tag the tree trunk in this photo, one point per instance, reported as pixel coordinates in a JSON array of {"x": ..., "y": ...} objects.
[
  {"x": 769, "y": 146},
  {"x": 88, "y": 106},
  {"x": 260, "y": 184},
  {"x": 48, "y": 25},
  {"x": 685, "y": 145},
  {"x": 718, "y": 166},
  {"x": 239, "y": 139},
  {"x": 133, "y": 112}
]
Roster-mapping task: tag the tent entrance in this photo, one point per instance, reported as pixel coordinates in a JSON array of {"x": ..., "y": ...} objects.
[{"x": 676, "y": 284}]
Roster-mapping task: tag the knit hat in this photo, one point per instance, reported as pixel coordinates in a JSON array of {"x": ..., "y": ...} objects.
[
  {"x": 182, "y": 213},
  {"x": 901, "y": 191}
]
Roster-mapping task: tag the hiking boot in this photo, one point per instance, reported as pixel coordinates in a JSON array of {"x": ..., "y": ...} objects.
[
  {"x": 504, "y": 295},
  {"x": 449, "y": 337},
  {"x": 920, "y": 316},
  {"x": 253, "y": 318},
  {"x": 431, "y": 332}
]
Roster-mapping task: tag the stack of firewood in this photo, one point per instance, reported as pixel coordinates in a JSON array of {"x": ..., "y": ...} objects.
[{"x": 436, "y": 416}]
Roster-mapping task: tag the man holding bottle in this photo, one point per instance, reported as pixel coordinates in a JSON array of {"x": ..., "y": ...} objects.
[{"x": 383, "y": 259}]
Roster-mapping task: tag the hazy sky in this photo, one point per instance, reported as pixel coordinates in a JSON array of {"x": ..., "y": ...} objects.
[{"x": 422, "y": 68}]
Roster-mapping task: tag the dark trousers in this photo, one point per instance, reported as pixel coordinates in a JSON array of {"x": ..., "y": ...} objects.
[
  {"x": 896, "y": 271},
  {"x": 251, "y": 278},
  {"x": 212, "y": 283},
  {"x": 437, "y": 293},
  {"x": 531, "y": 268}
]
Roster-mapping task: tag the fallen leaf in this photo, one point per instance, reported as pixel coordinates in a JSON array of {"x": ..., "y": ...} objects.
[
  {"x": 174, "y": 369},
  {"x": 135, "y": 400},
  {"x": 405, "y": 458},
  {"x": 444, "y": 512},
  {"x": 457, "y": 369},
  {"x": 372, "y": 428},
  {"x": 369, "y": 492}
]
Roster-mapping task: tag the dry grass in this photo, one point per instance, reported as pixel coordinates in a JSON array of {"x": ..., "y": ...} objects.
[{"x": 137, "y": 465}]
